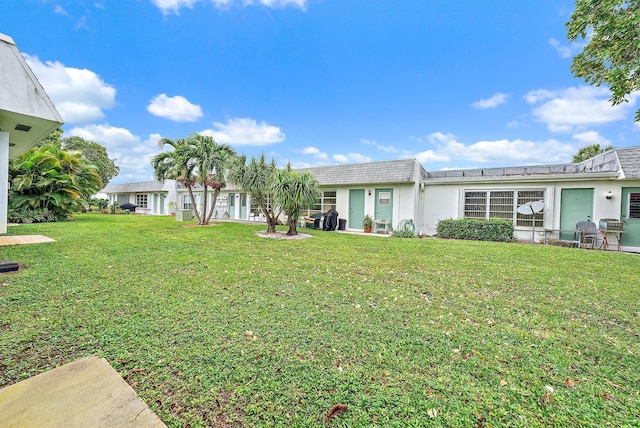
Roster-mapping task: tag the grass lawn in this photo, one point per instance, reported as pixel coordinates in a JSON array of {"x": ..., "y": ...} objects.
[{"x": 214, "y": 325}]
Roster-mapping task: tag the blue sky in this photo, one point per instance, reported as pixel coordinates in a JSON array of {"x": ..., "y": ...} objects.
[{"x": 455, "y": 84}]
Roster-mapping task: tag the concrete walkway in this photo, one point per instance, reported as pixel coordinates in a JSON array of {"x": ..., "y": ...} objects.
[
  {"x": 85, "y": 393},
  {"x": 24, "y": 239}
]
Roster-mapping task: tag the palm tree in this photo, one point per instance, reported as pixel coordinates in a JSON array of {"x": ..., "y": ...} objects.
[
  {"x": 589, "y": 151},
  {"x": 195, "y": 160},
  {"x": 294, "y": 191},
  {"x": 255, "y": 178}
]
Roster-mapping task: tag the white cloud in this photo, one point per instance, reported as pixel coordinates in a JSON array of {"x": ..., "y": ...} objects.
[
  {"x": 173, "y": 6},
  {"x": 317, "y": 154},
  {"x": 245, "y": 131},
  {"x": 59, "y": 10},
  {"x": 500, "y": 152},
  {"x": 131, "y": 154},
  {"x": 177, "y": 108},
  {"x": 493, "y": 102},
  {"x": 430, "y": 156},
  {"x": 386, "y": 149},
  {"x": 591, "y": 137},
  {"x": 563, "y": 110},
  {"x": 566, "y": 51},
  {"x": 351, "y": 157},
  {"x": 80, "y": 95}
]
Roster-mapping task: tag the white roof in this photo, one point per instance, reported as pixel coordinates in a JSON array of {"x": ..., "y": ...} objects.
[{"x": 26, "y": 112}]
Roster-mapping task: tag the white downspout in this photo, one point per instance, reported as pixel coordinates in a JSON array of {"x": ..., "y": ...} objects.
[
  {"x": 4, "y": 180},
  {"x": 421, "y": 209}
]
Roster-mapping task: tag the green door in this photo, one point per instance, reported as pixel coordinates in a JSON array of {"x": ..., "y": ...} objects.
[
  {"x": 243, "y": 206},
  {"x": 575, "y": 205},
  {"x": 631, "y": 216},
  {"x": 384, "y": 205},
  {"x": 356, "y": 208},
  {"x": 232, "y": 205}
]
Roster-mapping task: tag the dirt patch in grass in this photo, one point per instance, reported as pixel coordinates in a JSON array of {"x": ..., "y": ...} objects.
[{"x": 282, "y": 235}]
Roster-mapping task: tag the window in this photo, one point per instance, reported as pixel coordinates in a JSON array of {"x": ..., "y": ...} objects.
[
  {"x": 502, "y": 204},
  {"x": 326, "y": 201},
  {"x": 384, "y": 199},
  {"x": 122, "y": 198},
  {"x": 475, "y": 204},
  {"x": 634, "y": 205},
  {"x": 186, "y": 202},
  {"x": 141, "y": 200},
  {"x": 525, "y": 196}
]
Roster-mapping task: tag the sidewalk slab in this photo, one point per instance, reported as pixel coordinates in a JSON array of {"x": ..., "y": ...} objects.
[
  {"x": 84, "y": 393},
  {"x": 24, "y": 239}
]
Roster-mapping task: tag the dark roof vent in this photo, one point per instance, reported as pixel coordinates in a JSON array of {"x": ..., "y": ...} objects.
[{"x": 20, "y": 127}]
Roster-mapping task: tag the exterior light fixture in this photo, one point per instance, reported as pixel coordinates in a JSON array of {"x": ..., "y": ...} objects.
[
  {"x": 609, "y": 195},
  {"x": 369, "y": 192}
]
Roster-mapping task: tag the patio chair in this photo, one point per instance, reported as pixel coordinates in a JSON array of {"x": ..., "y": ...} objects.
[
  {"x": 588, "y": 233},
  {"x": 313, "y": 221}
]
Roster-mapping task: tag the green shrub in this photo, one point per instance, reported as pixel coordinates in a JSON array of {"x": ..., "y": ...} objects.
[
  {"x": 476, "y": 229},
  {"x": 403, "y": 233}
]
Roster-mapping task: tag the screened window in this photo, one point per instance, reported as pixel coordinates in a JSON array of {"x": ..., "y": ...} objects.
[
  {"x": 475, "y": 204},
  {"x": 141, "y": 200},
  {"x": 525, "y": 196},
  {"x": 502, "y": 204},
  {"x": 634, "y": 205}
]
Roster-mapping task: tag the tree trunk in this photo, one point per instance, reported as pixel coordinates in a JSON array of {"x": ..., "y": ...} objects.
[
  {"x": 213, "y": 204},
  {"x": 271, "y": 219},
  {"x": 193, "y": 204},
  {"x": 271, "y": 224},
  {"x": 205, "y": 197},
  {"x": 291, "y": 221}
]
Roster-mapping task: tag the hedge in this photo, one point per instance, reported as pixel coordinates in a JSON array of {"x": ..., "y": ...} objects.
[{"x": 476, "y": 229}]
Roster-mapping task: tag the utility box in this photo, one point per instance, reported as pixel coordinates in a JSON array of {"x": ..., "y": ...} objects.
[{"x": 184, "y": 215}]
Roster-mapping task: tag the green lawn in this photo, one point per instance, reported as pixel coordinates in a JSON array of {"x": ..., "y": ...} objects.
[{"x": 214, "y": 324}]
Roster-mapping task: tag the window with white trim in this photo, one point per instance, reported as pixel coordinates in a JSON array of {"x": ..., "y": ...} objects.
[
  {"x": 186, "y": 202},
  {"x": 326, "y": 201},
  {"x": 526, "y": 196},
  {"x": 502, "y": 204},
  {"x": 141, "y": 200},
  {"x": 384, "y": 199}
]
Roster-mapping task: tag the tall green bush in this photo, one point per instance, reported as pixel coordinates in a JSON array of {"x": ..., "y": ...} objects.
[
  {"x": 476, "y": 229},
  {"x": 50, "y": 184}
]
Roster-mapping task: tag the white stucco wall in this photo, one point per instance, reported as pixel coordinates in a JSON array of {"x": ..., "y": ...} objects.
[{"x": 446, "y": 200}]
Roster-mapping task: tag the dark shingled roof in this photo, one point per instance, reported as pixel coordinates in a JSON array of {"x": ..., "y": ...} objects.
[
  {"x": 395, "y": 171},
  {"x": 629, "y": 159},
  {"x": 146, "y": 186}
]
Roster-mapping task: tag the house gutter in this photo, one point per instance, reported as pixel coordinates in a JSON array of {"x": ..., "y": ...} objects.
[{"x": 524, "y": 178}]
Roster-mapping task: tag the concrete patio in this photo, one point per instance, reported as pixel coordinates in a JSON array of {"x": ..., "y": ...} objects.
[{"x": 84, "y": 393}]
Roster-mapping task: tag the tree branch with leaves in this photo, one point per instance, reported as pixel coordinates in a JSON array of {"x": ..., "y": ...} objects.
[{"x": 611, "y": 56}]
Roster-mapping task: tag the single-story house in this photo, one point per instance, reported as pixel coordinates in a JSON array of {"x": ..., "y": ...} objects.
[
  {"x": 149, "y": 197},
  {"x": 604, "y": 187},
  {"x": 27, "y": 115}
]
